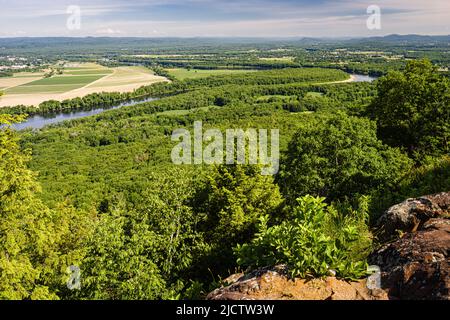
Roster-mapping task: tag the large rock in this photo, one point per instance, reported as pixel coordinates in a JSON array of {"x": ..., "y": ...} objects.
[
  {"x": 417, "y": 266},
  {"x": 274, "y": 284},
  {"x": 414, "y": 266},
  {"x": 411, "y": 215}
]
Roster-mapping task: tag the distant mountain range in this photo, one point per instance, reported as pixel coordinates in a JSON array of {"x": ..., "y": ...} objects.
[
  {"x": 131, "y": 42},
  {"x": 392, "y": 38},
  {"x": 396, "y": 38}
]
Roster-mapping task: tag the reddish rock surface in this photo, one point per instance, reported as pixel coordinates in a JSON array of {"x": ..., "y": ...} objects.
[
  {"x": 417, "y": 265},
  {"x": 411, "y": 215},
  {"x": 274, "y": 284}
]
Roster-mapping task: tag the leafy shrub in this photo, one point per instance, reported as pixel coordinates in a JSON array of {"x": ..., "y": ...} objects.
[
  {"x": 338, "y": 157},
  {"x": 415, "y": 103},
  {"x": 430, "y": 178},
  {"x": 318, "y": 238},
  {"x": 232, "y": 201}
]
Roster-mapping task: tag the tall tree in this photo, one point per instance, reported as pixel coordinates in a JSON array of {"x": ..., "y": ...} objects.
[
  {"x": 337, "y": 157},
  {"x": 141, "y": 251},
  {"x": 412, "y": 109},
  {"x": 233, "y": 200},
  {"x": 36, "y": 243}
]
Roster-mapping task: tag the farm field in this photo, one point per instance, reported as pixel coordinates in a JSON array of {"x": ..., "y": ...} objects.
[
  {"x": 281, "y": 59},
  {"x": 209, "y": 150},
  {"x": 77, "y": 80},
  {"x": 19, "y": 79},
  {"x": 182, "y": 74}
]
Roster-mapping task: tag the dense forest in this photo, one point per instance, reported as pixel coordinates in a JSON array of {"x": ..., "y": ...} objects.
[{"x": 102, "y": 193}]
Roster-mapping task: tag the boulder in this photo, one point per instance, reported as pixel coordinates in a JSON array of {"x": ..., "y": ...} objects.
[
  {"x": 417, "y": 266},
  {"x": 414, "y": 265},
  {"x": 275, "y": 284},
  {"x": 410, "y": 215}
]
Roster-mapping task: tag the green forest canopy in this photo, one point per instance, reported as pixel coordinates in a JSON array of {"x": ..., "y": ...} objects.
[{"x": 101, "y": 192}]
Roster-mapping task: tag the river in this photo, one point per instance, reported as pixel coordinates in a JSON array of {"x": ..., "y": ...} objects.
[{"x": 40, "y": 121}]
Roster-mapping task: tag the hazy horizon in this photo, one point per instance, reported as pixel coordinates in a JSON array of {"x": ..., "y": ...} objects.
[
  {"x": 229, "y": 37},
  {"x": 222, "y": 18}
]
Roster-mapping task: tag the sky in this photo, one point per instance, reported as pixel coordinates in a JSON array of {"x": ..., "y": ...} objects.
[{"x": 221, "y": 18}]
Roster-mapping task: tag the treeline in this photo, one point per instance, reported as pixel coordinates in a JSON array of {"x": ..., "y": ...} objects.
[
  {"x": 240, "y": 60},
  {"x": 140, "y": 227},
  {"x": 106, "y": 99},
  {"x": 6, "y": 74},
  {"x": 93, "y": 100}
]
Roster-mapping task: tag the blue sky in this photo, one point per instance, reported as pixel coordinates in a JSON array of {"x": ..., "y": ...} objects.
[{"x": 223, "y": 18}]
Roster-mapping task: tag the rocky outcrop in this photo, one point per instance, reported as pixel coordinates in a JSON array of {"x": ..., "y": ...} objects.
[
  {"x": 414, "y": 265},
  {"x": 274, "y": 284},
  {"x": 417, "y": 265},
  {"x": 410, "y": 215}
]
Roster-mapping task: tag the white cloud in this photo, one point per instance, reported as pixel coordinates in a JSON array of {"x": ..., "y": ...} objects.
[
  {"x": 109, "y": 31},
  {"x": 234, "y": 18}
]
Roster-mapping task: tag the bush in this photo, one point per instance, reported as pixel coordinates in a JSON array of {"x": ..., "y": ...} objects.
[
  {"x": 318, "y": 238},
  {"x": 339, "y": 157},
  {"x": 232, "y": 202},
  {"x": 430, "y": 178},
  {"x": 412, "y": 110}
]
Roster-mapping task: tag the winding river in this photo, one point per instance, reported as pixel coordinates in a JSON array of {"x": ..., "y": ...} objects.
[{"x": 40, "y": 121}]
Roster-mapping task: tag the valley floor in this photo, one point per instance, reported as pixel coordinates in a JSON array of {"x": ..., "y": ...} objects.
[{"x": 21, "y": 91}]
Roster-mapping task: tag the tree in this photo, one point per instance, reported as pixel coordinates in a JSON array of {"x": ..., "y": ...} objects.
[
  {"x": 412, "y": 109},
  {"x": 317, "y": 239},
  {"x": 142, "y": 251},
  {"x": 36, "y": 243},
  {"x": 336, "y": 157},
  {"x": 233, "y": 200},
  {"x": 118, "y": 264}
]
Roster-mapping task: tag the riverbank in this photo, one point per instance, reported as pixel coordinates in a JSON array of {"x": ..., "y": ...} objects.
[{"x": 37, "y": 90}]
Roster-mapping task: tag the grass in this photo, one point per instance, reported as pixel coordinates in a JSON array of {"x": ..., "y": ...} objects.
[
  {"x": 77, "y": 80},
  {"x": 55, "y": 84},
  {"x": 275, "y": 97},
  {"x": 182, "y": 74},
  {"x": 280, "y": 59}
]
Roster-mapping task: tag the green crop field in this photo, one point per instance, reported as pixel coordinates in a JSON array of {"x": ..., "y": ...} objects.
[
  {"x": 89, "y": 72},
  {"x": 182, "y": 74},
  {"x": 76, "y": 80},
  {"x": 55, "y": 84}
]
